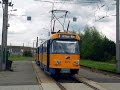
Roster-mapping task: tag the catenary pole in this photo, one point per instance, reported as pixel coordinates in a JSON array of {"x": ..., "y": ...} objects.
[
  {"x": 117, "y": 37},
  {"x": 4, "y": 36}
]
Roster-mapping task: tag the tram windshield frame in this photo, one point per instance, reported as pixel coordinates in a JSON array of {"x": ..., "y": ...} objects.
[{"x": 65, "y": 47}]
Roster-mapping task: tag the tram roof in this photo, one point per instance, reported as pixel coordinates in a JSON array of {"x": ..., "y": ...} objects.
[{"x": 56, "y": 35}]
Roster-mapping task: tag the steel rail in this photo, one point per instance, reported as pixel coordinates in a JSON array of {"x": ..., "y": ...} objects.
[
  {"x": 60, "y": 86},
  {"x": 36, "y": 69},
  {"x": 89, "y": 83}
]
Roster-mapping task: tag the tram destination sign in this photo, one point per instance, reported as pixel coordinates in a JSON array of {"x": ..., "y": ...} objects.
[{"x": 66, "y": 36}]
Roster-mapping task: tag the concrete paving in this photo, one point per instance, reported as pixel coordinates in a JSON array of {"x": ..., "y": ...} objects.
[
  {"x": 98, "y": 77},
  {"x": 23, "y": 74},
  {"x": 76, "y": 86},
  {"x": 106, "y": 81},
  {"x": 50, "y": 86},
  {"x": 21, "y": 87},
  {"x": 111, "y": 86},
  {"x": 24, "y": 78},
  {"x": 44, "y": 79}
]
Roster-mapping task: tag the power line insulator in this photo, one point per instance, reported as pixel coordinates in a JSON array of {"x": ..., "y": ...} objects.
[{"x": 10, "y": 4}]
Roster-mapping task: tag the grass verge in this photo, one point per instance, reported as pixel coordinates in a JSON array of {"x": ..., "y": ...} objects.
[
  {"x": 18, "y": 58},
  {"x": 98, "y": 65}
]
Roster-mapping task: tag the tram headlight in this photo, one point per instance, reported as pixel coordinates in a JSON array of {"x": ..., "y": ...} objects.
[
  {"x": 76, "y": 62},
  {"x": 57, "y": 62}
]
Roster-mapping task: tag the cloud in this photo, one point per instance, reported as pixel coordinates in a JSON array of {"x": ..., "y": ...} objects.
[{"x": 23, "y": 31}]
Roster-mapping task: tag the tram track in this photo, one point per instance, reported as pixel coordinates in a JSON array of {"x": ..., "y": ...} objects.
[
  {"x": 89, "y": 83},
  {"x": 78, "y": 79},
  {"x": 66, "y": 79},
  {"x": 37, "y": 71},
  {"x": 60, "y": 86},
  {"x": 61, "y": 82}
]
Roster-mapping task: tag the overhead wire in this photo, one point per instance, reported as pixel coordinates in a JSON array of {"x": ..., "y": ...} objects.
[
  {"x": 62, "y": 5},
  {"x": 11, "y": 9},
  {"x": 99, "y": 5},
  {"x": 72, "y": 3},
  {"x": 76, "y": 3},
  {"x": 108, "y": 9},
  {"x": 57, "y": 19},
  {"x": 94, "y": 13}
]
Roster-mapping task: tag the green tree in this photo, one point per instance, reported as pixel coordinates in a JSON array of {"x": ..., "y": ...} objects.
[
  {"x": 96, "y": 46},
  {"x": 109, "y": 48}
]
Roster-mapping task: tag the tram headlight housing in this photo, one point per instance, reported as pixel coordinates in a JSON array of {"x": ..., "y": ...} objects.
[
  {"x": 76, "y": 62},
  {"x": 57, "y": 62}
]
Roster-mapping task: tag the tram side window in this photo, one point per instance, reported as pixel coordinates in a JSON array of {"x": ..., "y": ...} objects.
[
  {"x": 40, "y": 49},
  {"x": 45, "y": 47}
]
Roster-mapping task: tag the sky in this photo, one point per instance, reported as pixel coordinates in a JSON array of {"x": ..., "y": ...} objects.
[{"x": 87, "y": 12}]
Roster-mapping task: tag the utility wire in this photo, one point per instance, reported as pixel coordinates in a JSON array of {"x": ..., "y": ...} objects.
[
  {"x": 101, "y": 4},
  {"x": 68, "y": 2},
  {"x": 99, "y": 8},
  {"x": 105, "y": 5}
]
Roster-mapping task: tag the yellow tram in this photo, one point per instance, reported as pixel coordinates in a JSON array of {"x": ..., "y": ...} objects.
[{"x": 60, "y": 54}]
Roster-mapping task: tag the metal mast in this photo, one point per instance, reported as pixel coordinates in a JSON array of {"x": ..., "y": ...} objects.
[
  {"x": 117, "y": 37},
  {"x": 4, "y": 36}
]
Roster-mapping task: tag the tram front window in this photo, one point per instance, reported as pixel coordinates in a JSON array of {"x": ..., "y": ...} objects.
[{"x": 67, "y": 47}]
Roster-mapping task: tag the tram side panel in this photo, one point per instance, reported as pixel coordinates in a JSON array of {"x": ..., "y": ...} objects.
[
  {"x": 44, "y": 56},
  {"x": 37, "y": 56},
  {"x": 40, "y": 55}
]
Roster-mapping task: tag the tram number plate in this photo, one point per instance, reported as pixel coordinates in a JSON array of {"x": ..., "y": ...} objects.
[{"x": 65, "y": 70}]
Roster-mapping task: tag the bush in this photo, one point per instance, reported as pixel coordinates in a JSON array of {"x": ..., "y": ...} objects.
[
  {"x": 96, "y": 46},
  {"x": 27, "y": 53}
]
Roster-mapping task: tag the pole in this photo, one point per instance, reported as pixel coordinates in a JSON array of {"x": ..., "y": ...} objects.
[
  {"x": 33, "y": 48},
  {"x": 37, "y": 42},
  {"x": 37, "y": 49},
  {"x": 4, "y": 36},
  {"x": 117, "y": 37}
]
